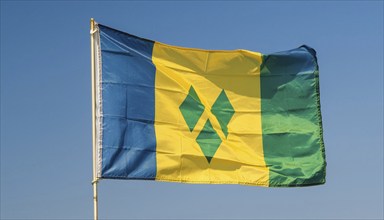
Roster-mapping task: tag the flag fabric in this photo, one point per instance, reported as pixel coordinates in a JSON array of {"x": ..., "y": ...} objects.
[{"x": 169, "y": 113}]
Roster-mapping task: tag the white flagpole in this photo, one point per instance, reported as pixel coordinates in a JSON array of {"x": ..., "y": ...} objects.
[{"x": 95, "y": 180}]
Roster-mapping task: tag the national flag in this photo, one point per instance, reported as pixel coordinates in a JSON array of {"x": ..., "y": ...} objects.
[{"x": 178, "y": 114}]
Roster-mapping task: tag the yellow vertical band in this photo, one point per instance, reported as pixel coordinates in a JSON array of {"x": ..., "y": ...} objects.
[{"x": 239, "y": 159}]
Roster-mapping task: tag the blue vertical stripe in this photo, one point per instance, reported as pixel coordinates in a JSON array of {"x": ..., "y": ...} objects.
[{"x": 128, "y": 106}]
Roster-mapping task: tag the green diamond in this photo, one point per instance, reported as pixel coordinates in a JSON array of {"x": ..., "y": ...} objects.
[
  {"x": 208, "y": 141},
  {"x": 223, "y": 111},
  {"x": 191, "y": 109}
]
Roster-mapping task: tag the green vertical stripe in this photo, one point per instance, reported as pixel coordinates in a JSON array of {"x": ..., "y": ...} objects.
[{"x": 291, "y": 119}]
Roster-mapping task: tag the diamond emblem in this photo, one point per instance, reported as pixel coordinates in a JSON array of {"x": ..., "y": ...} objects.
[
  {"x": 208, "y": 141},
  {"x": 223, "y": 111},
  {"x": 191, "y": 109}
]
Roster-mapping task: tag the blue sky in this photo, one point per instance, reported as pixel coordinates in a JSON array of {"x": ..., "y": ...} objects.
[{"x": 46, "y": 166}]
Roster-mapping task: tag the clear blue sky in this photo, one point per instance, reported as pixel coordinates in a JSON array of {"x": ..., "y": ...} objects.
[{"x": 46, "y": 166}]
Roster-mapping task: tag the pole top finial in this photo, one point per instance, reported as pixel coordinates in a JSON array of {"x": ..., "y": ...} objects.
[{"x": 92, "y": 25}]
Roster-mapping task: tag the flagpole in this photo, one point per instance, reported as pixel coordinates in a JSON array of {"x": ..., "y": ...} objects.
[{"x": 95, "y": 180}]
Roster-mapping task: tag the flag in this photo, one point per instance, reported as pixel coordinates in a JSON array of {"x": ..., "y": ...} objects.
[{"x": 169, "y": 113}]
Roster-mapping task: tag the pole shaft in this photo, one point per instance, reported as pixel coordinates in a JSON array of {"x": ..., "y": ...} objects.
[
  {"x": 95, "y": 202},
  {"x": 94, "y": 181}
]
